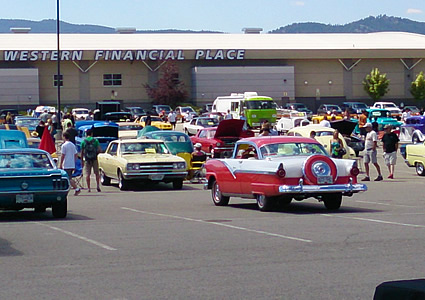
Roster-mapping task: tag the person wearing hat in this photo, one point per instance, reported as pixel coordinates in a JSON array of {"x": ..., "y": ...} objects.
[
  {"x": 371, "y": 142},
  {"x": 198, "y": 153},
  {"x": 390, "y": 145}
]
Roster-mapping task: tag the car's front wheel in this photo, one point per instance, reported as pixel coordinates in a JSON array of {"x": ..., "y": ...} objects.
[
  {"x": 332, "y": 201},
  {"x": 123, "y": 184},
  {"x": 217, "y": 196},
  {"x": 104, "y": 180},
  {"x": 420, "y": 169},
  {"x": 264, "y": 203},
  {"x": 415, "y": 139},
  {"x": 60, "y": 209}
]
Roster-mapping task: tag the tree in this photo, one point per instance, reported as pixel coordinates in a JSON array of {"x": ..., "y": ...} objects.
[
  {"x": 168, "y": 89},
  {"x": 417, "y": 87},
  {"x": 376, "y": 84}
]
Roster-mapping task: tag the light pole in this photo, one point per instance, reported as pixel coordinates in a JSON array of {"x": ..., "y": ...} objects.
[{"x": 58, "y": 65}]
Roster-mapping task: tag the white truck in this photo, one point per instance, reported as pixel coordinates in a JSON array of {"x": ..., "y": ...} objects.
[{"x": 255, "y": 108}]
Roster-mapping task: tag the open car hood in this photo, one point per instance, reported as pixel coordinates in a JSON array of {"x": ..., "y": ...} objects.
[
  {"x": 229, "y": 128},
  {"x": 344, "y": 127},
  {"x": 105, "y": 131}
]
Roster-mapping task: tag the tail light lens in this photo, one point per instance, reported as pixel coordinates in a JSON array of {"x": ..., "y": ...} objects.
[{"x": 354, "y": 171}]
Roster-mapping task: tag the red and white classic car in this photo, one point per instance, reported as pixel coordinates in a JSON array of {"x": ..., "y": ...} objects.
[
  {"x": 219, "y": 141},
  {"x": 277, "y": 169}
]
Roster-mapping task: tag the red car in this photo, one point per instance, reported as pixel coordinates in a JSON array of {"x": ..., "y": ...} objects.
[
  {"x": 219, "y": 141},
  {"x": 279, "y": 169}
]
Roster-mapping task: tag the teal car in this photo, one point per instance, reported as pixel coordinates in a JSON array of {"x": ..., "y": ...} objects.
[
  {"x": 382, "y": 117},
  {"x": 29, "y": 178},
  {"x": 176, "y": 141}
]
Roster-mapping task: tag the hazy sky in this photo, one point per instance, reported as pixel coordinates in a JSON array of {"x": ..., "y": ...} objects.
[{"x": 220, "y": 15}]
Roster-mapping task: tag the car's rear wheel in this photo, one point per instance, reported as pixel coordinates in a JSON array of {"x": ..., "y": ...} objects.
[
  {"x": 264, "y": 203},
  {"x": 123, "y": 184},
  {"x": 178, "y": 184},
  {"x": 104, "y": 180},
  {"x": 59, "y": 210},
  {"x": 332, "y": 201},
  {"x": 217, "y": 196},
  {"x": 420, "y": 169}
]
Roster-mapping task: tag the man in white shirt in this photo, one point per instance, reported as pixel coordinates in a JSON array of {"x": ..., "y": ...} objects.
[
  {"x": 172, "y": 118},
  {"x": 371, "y": 142},
  {"x": 68, "y": 158}
]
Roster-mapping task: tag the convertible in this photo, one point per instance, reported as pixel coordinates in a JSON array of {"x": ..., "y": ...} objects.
[{"x": 275, "y": 169}]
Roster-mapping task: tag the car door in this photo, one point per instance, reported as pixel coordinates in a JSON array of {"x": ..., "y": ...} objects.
[
  {"x": 191, "y": 127},
  {"x": 248, "y": 168},
  {"x": 109, "y": 161}
]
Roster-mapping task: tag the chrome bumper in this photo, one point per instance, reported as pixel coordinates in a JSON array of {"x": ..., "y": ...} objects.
[{"x": 313, "y": 189}]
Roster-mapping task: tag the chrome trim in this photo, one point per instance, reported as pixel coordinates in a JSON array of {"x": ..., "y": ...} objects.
[
  {"x": 31, "y": 176},
  {"x": 147, "y": 174},
  {"x": 311, "y": 189},
  {"x": 255, "y": 172},
  {"x": 35, "y": 192}
]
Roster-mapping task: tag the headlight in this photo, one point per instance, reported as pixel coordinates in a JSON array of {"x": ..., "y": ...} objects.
[
  {"x": 179, "y": 165},
  {"x": 218, "y": 144},
  {"x": 253, "y": 116},
  {"x": 320, "y": 168},
  {"x": 273, "y": 116},
  {"x": 133, "y": 167}
]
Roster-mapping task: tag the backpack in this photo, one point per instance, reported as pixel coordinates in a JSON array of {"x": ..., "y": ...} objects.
[{"x": 90, "y": 150}]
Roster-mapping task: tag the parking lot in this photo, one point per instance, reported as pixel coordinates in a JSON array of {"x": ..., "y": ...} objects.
[{"x": 159, "y": 243}]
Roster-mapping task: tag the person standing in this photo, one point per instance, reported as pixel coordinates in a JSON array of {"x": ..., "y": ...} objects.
[
  {"x": 336, "y": 145},
  {"x": 362, "y": 122},
  {"x": 390, "y": 146},
  {"x": 229, "y": 115},
  {"x": 172, "y": 118},
  {"x": 69, "y": 156},
  {"x": 90, "y": 148},
  {"x": 371, "y": 142},
  {"x": 148, "y": 120},
  {"x": 72, "y": 132}
]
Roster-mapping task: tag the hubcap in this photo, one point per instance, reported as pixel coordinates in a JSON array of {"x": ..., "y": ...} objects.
[
  {"x": 217, "y": 193},
  {"x": 420, "y": 168},
  {"x": 260, "y": 200}
]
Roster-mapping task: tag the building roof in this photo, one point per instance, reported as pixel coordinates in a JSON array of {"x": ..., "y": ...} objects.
[{"x": 181, "y": 41}]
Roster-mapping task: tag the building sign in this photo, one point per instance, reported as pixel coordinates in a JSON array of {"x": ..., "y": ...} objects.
[{"x": 122, "y": 55}]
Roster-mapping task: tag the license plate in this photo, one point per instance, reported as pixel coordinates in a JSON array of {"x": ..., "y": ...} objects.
[
  {"x": 25, "y": 198},
  {"x": 324, "y": 180},
  {"x": 156, "y": 177}
]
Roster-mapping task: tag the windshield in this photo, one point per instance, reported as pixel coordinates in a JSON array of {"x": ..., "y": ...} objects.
[
  {"x": 30, "y": 123},
  {"x": 131, "y": 127},
  {"x": 259, "y": 104},
  {"x": 208, "y": 122},
  {"x": 81, "y": 112},
  {"x": 187, "y": 109},
  {"x": 360, "y": 106},
  {"x": 171, "y": 138},
  {"x": 292, "y": 149},
  {"x": 138, "y": 111},
  {"x": 389, "y": 105},
  {"x": 333, "y": 107},
  {"x": 144, "y": 148},
  {"x": 25, "y": 161}
]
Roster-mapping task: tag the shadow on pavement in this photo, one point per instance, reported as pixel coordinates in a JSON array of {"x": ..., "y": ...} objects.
[{"x": 31, "y": 216}]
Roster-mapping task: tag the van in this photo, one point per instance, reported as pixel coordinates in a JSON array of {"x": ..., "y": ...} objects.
[
  {"x": 255, "y": 108},
  {"x": 13, "y": 139}
]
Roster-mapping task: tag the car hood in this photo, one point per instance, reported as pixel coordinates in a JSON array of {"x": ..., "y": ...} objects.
[
  {"x": 151, "y": 158},
  {"x": 345, "y": 127},
  {"x": 229, "y": 128}
]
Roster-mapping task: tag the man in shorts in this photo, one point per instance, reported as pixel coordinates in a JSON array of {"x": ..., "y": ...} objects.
[
  {"x": 90, "y": 148},
  {"x": 390, "y": 146},
  {"x": 68, "y": 159},
  {"x": 371, "y": 142}
]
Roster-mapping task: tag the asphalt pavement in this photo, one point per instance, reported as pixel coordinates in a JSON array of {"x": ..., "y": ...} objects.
[{"x": 158, "y": 243}]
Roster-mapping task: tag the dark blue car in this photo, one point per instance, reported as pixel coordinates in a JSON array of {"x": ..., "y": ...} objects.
[{"x": 104, "y": 132}]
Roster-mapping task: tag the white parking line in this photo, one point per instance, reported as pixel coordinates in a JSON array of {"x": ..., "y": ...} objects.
[
  {"x": 106, "y": 247},
  {"x": 219, "y": 224},
  {"x": 388, "y": 204},
  {"x": 376, "y": 221}
]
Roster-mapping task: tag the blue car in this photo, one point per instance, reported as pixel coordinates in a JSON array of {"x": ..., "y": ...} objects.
[
  {"x": 30, "y": 179},
  {"x": 104, "y": 132}
]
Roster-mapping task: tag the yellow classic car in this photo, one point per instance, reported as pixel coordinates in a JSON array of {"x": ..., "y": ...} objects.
[
  {"x": 323, "y": 136},
  {"x": 156, "y": 121},
  {"x": 415, "y": 157},
  {"x": 148, "y": 160}
]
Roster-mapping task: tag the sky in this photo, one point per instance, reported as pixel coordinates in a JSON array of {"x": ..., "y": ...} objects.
[{"x": 219, "y": 15}]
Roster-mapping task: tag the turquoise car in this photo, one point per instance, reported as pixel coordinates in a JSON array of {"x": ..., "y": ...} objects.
[
  {"x": 176, "y": 141},
  {"x": 382, "y": 117},
  {"x": 29, "y": 178}
]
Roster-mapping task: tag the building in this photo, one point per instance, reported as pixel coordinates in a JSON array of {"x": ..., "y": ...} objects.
[{"x": 289, "y": 67}]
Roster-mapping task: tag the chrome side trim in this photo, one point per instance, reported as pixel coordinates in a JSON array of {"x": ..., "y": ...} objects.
[
  {"x": 254, "y": 172},
  {"x": 311, "y": 189}
]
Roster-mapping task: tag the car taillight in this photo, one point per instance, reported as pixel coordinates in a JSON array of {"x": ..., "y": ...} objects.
[
  {"x": 281, "y": 171},
  {"x": 354, "y": 171}
]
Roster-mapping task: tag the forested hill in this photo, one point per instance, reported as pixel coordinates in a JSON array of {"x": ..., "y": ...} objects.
[{"x": 370, "y": 24}]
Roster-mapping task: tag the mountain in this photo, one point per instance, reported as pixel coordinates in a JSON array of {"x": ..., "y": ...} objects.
[
  {"x": 49, "y": 26},
  {"x": 370, "y": 24}
]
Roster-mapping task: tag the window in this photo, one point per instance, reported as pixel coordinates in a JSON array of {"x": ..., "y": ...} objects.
[
  {"x": 112, "y": 79},
  {"x": 55, "y": 80}
]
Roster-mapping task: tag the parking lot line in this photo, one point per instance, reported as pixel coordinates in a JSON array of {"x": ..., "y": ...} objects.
[
  {"x": 376, "y": 221},
  {"x": 219, "y": 224},
  {"x": 106, "y": 247},
  {"x": 388, "y": 204}
]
